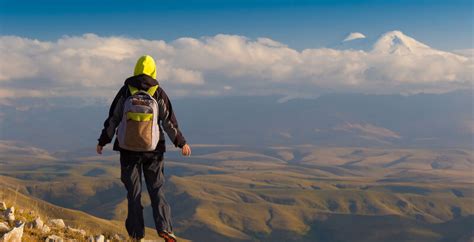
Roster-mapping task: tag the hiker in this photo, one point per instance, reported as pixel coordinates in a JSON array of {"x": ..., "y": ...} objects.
[{"x": 136, "y": 113}]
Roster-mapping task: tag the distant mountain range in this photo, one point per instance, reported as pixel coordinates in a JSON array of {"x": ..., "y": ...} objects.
[{"x": 422, "y": 120}]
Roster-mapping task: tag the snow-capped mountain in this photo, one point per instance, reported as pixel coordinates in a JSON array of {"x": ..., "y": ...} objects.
[
  {"x": 390, "y": 43},
  {"x": 396, "y": 42}
]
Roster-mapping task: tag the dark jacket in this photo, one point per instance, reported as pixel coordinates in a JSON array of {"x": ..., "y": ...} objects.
[{"x": 167, "y": 119}]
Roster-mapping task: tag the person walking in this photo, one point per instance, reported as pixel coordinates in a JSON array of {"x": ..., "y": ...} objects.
[{"x": 139, "y": 113}]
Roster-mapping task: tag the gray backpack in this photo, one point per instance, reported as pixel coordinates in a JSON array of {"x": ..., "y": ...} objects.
[{"x": 138, "y": 129}]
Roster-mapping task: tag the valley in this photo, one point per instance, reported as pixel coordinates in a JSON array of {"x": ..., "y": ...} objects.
[{"x": 277, "y": 193}]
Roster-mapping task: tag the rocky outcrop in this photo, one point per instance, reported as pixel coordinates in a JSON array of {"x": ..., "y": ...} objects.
[
  {"x": 38, "y": 223},
  {"x": 9, "y": 214},
  {"x": 14, "y": 235},
  {"x": 54, "y": 230},
  {"x": 100, "y": 238},
  {"x": 54, "y": 238},
  {"x": 35, "y": 224},
  {"x": 45, "y": 229},
  {"x": 57, "y": 223},
  {"x": 118, "y": 237},
  {"x": 4, "y": 227},
  {"x": 79, "y": 231}
]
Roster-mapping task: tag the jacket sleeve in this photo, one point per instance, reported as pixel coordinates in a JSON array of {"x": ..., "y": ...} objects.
[
  {"x": 115, "y": 116},
  {"x": 168, "y": 120}
]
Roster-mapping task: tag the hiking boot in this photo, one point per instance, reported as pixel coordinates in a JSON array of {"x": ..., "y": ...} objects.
[{"x": 168, "y": 236}]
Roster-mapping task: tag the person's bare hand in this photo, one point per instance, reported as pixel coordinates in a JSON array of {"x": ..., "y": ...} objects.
[
  {"x": 186, "y": 150},
  {"x": 99, "y": 149}
]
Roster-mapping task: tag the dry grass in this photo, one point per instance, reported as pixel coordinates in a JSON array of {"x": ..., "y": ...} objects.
[{"x": 284, "y": 191}]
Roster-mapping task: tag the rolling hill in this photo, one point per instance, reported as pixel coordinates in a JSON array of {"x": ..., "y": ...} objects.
[{"x": 284, "y": 193}]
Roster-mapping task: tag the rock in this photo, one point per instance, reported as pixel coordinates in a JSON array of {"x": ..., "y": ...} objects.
[
  {"x": 18, "y": 223},
  {"x": 58, "y": 223},
  {"x": 118, "y": 237},
  {"x": 54, "y": 238},
  {"x": 38, "y": 223},
  {"x": 10, "y": 214},
  {"x": 45, "y": 229},
  {"x": 3, "y": 206},
  {"x": 4, "y": 227},
  {"x": 14, "y": 235},
  {"x": 100, "y": 238},
  {"x": 79, "y": 231}
]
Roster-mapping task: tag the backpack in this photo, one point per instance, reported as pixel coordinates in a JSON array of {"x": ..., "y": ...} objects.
[{"x": 138, "y": 129}]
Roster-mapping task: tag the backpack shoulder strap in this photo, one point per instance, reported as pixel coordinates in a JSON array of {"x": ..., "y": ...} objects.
[
  {"x": 150, "y": 90},
  {"x": 132, "y": 89}
]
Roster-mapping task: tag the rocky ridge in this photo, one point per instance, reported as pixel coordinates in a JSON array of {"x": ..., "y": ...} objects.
[{"x": 20, "y": 225}]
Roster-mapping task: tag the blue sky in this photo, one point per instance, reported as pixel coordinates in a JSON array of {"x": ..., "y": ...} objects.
[
  {"x": 446, "y": 25},
  {"x": 215, "y": 48}
]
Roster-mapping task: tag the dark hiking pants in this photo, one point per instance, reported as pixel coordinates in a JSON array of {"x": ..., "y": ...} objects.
[{"x": 132, "y": 166}]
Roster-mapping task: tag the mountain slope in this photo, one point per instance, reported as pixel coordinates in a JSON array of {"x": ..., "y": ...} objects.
[
  {"x": 10, "y": 192},
  {"x": 396, "y": 42}
]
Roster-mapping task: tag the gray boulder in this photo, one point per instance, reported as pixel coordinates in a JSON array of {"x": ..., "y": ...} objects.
[
  {"x": 45, "y": 229},
  {"x": 118, "y": 237},
  {"x": 100, "y": 238},
  {"x": 4, "y": 227},
  {"x": 79, "y": 231},
  {"x": 14, "y": 235},
  {"x": 3, "y": 206},
  {"x": 57, "y": 223},
  {"x": 54, "y": 238},
  {"x": 10, "y": 214},
  {"x": 38, "y": 223}
]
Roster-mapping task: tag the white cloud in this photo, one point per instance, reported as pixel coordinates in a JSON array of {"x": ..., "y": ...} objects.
[
  {"x": 353, "y": 36},
  {"x": 92, "y": 66},
  {"x": 465, "y": 52}
]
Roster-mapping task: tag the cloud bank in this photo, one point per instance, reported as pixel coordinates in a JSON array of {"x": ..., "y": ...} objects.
[{"x": 95, "y": 66}]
